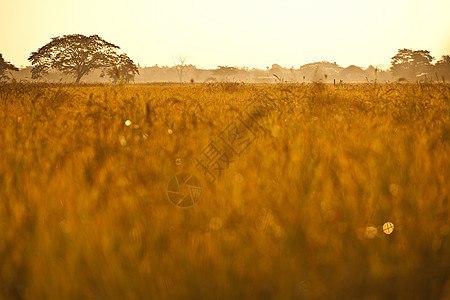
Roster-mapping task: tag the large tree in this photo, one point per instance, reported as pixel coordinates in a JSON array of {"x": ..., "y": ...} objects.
[
  {"x": 410, "y": 63},
  {"x": 5, "y": 66},
  {"x": 74, "y": 54}
]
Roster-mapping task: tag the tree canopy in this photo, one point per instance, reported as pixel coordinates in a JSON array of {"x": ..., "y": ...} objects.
[
  {"x": 122, "y": 69},
  {"x": 226, "y": 72},
  {"x": 5, "y": 66},
  {"x": 78, "y": 55},
  {"x": 410, "y": 63}
]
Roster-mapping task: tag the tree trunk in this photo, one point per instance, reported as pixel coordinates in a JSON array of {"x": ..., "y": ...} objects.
[{"x": 79, "y": 75}]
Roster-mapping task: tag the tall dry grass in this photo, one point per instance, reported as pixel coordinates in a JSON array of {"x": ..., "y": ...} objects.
[{"x": 84, "y": 212}]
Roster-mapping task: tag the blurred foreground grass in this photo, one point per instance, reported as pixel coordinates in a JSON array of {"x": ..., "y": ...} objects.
[{"x": 299, "y": 215}]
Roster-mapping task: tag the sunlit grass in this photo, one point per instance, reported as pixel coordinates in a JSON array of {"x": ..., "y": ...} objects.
[{"x": 304, "y": 213}]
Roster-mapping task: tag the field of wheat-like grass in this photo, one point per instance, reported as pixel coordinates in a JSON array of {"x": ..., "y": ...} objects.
[{"x": 305, "y": 212}]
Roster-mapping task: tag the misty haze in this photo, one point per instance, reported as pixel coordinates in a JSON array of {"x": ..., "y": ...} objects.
[{"x": 225, "y": 150}]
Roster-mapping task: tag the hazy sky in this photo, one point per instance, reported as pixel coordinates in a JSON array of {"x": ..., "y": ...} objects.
[{"x": 253, "y": 33}]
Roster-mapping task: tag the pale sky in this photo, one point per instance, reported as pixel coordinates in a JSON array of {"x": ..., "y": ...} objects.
[{"x": 252, "y": 33}]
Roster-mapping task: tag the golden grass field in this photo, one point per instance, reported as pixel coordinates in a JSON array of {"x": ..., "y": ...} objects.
[{"x": 84, "y": 210}]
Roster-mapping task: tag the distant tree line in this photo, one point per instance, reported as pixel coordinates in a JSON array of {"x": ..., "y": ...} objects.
[{"x": 93, "y": 58}]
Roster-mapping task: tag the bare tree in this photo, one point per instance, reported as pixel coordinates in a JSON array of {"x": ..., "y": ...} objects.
[{"x": 180, "y": 65}]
